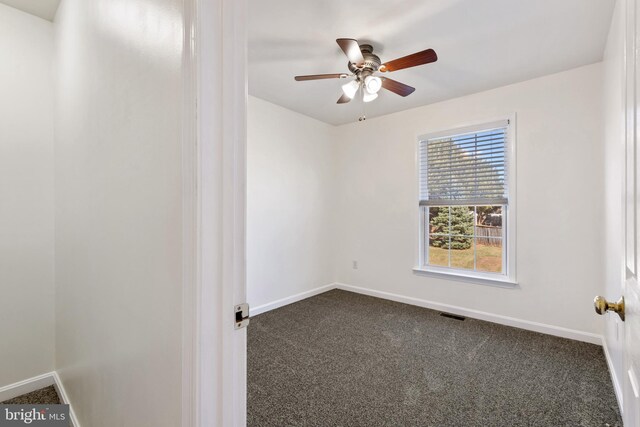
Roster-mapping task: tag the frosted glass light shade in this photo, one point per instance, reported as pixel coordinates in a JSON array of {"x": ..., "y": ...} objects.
[
  {"x": 350, "y": 88},
  {"x": 368, "y": 97},
  {"x": 372, "y": 84}
]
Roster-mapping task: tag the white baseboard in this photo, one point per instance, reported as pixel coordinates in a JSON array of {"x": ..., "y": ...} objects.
[
  {"x": 36, "y": 383},
  {"x": 481, "y": 315},
  {"x": 461, "y": 311},
  {"x": 65, "y": 399},
  {"x": 617, "y": 386},
  {"x": 26, "y": 386},
  {"x": 254, "y": 311}
]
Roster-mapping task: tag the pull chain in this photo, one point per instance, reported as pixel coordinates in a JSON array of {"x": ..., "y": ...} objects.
[{"x": 363, "y": 117}]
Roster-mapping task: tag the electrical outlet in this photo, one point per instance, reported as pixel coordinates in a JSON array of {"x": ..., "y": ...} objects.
[{"x": 355, "y": 265}]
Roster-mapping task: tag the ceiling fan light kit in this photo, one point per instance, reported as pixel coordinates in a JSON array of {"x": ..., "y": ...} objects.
[{"x": 363, "y": 63}]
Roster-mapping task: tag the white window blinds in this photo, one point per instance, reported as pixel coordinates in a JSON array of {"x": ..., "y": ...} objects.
[{"x": 465, "y": 168}]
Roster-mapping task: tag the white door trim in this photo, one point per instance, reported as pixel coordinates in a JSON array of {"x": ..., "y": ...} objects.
[
  {"x": 234, "y": 85},
  {"x": 189, "y": 217},
  {"x": 214, "y": 163}
]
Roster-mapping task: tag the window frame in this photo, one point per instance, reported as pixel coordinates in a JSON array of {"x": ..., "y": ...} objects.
[{"x": 508, "y": 277}]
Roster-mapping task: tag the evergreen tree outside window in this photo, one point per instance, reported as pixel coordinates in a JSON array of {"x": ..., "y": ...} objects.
[{"x": 464, "y": 200}]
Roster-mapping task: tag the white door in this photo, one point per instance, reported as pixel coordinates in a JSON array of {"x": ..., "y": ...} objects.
[
  {"x": 631, "y": 289},
  {"x": 627, "y": 367}
]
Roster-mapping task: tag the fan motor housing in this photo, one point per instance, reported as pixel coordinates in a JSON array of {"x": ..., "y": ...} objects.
[{"x": 371, "y": 63}]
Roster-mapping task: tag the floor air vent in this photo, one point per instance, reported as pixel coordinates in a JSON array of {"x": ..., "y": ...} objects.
[{"x": 452, "y": 316}]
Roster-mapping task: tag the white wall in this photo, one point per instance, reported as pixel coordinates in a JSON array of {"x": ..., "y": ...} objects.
[
  {"x": 290, "y": 167},
  {"x": 614, "y": 119},
  {"x": 26, "y": 186},
  {"x": 118, "y": 210},
  {"x": 559, "y": 213}
]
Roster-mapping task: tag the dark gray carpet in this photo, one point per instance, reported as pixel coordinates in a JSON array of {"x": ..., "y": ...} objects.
[
  {"x": 44, "y": 396},
  {"x": 343, "y": 359}
]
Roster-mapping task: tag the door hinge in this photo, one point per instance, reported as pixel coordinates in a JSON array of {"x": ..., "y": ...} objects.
[{"x": 241, "y": 315}]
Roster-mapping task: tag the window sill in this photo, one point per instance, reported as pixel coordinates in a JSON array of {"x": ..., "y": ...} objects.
[{"x": 468, "y": 278}]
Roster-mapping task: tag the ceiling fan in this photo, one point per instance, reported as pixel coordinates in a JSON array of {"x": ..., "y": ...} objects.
[{"x": 363, "y": 64}]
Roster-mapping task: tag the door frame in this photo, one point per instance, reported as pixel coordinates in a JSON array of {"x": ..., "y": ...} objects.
[{"x": 214, "y": 212}]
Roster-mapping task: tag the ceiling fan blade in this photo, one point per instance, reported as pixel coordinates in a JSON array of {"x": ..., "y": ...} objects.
[
  {"x": 351, "y": 48},
  {"x": 415, "y": 59},
  {"x": 343, "y": 99},
  {"x": 321, "y": 76},
  {"x": 397, "y": 87}
]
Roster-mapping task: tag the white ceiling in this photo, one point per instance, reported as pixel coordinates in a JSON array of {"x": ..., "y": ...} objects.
[
  {"x": 45, "y": 9},
  {"x": 480, "y": 45}
]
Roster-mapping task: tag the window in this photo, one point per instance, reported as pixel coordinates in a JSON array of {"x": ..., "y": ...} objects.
[{"x": 465, "y": 207}]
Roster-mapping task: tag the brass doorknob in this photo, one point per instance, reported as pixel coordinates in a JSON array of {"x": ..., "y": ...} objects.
[{"x": 602, "y": 305}]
